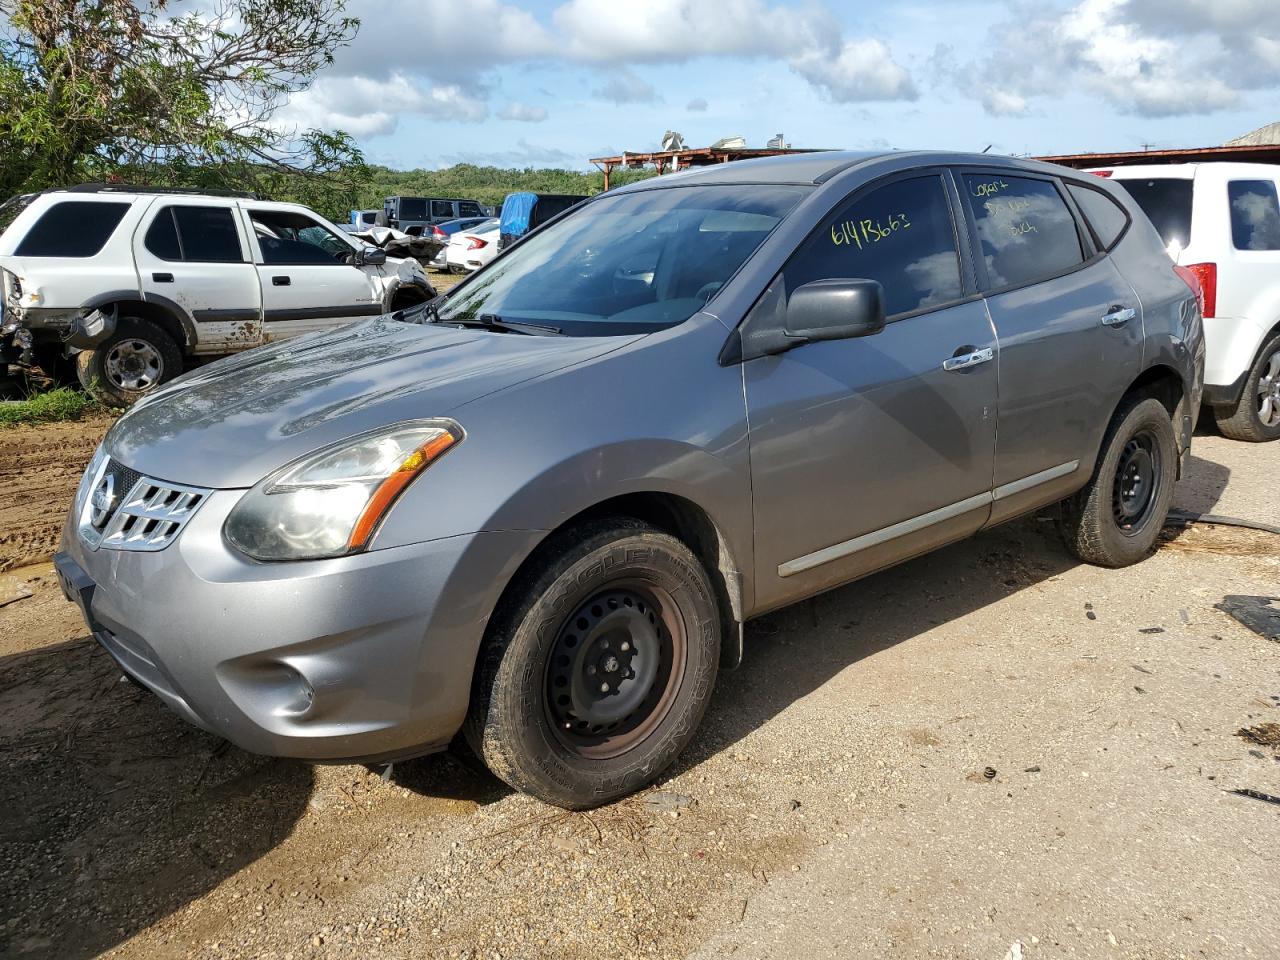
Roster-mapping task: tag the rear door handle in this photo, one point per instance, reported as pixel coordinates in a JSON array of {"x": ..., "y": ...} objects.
[
  {"x": 966, "y": 360},
  {"x": 162, "y": 277},
  {"x": 280, "y": 281},
  {"x": 1118, "y": 316}
]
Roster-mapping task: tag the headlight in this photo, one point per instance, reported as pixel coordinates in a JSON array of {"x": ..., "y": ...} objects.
[{"x": 330, "y": 503}]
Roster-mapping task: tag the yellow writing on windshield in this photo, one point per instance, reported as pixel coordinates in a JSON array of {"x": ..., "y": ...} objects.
[{"x": 863, "y": 233}]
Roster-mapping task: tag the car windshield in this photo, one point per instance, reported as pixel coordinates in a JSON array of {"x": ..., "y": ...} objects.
[
  {"x": 630, "y": 263},
  {"x": 1167, "y": 202}
]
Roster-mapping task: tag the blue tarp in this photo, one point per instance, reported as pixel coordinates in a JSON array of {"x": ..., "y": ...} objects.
[{"x": 515, "y": 213}]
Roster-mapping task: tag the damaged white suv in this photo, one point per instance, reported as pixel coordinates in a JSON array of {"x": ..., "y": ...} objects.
[{"x": 136, "y": 280}]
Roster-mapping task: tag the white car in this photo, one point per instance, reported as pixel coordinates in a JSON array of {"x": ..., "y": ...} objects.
[
  {"x": 1222, "y": 222},
  {"x": 470, "y": 250},
  {"x": 138, "y": 280}
]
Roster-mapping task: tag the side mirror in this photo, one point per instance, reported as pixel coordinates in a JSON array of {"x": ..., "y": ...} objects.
[
  {"x": 368, "y": 256},
  {"x": 834, "y": 310}
]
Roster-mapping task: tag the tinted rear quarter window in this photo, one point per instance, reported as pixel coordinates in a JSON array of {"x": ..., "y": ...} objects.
[
  {"x": 1026, "y": 228},
  {"x": 469, "y": 208},
  {"x": 72, "y": 228},
  {"x": 162, "y": 236},
  {"x": 1167, "y": 203},
  {"x": 441, "y": 208},
  {"x": 1106, "y": 217},
  {"x": 1255, "y": 214},
  {"x": 900, "y": 234}
]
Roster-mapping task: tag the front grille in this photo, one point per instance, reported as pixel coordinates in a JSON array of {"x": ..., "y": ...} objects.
[
  {"x": 125, "y": 480},
  {"x": 142, "y": 514}
]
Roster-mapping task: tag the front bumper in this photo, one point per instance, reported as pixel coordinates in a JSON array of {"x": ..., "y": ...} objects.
[{"x": 356, "y": 658}]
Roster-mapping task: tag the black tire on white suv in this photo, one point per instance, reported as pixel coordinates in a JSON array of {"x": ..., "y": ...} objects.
[
  {"x": 134, "y": 360},
  {"x": 1261, "y": 392}
]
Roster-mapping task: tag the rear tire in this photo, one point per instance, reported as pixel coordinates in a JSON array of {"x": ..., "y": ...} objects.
[
  {"x": 595, "y": 674},
  {"x": 1115, "y": 520},
  {"x": 1256, "y": 416},
  {"x": 136, "y": 359}
]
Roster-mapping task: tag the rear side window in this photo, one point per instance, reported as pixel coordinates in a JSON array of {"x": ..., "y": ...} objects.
[
  {"x": 1255, "y": 214},
  {"x": 469, "y": 208},
  {"x": 195, "y": 234},
  {"x": 1167, "y": 203},
  {"x": 1106, "y": 217},
  {"x": 441, "y": 208},
  {"x": 72, "y": 228},
  {"x": 1026, "y": 229},
  {"x": 900, "y": 235}
]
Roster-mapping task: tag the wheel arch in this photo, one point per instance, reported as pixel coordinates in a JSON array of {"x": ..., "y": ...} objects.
[
  {"x": 168, "y": 316},
  {"x": 1164, "y": 383},
  {"x": 683, "y": 519}
]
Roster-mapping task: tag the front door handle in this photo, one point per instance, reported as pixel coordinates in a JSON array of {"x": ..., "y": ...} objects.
[
  {"x": 162, "y": 277},
  {"x": 280, "y": 281},
  {"x": 1118, "y": 316},
  {"x": 964, "y": 361}
]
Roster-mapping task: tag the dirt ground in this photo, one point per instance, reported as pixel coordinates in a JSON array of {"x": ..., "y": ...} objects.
[{"x": 988, "y": 752}]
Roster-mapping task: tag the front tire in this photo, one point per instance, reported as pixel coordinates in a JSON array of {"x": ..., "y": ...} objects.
[
  {"x": 1256, "y": 417},
  {"x": 595, "y": 674},
  {"x": 132, "y": 362},
  {"x": 1115, "y": 520}
]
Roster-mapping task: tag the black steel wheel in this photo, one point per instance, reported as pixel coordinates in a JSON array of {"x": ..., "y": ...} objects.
[
  {"x": 1137, "y": 480},
  {"x": 598, "y": 665},
  {"x": 613, "y": 669},
  {"x": 1115, "y": 519}
]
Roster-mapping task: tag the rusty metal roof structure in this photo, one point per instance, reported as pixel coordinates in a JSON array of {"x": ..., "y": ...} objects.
[
  {"x": 1251, "y": 153},
  {"x": 684, "y": 159}
]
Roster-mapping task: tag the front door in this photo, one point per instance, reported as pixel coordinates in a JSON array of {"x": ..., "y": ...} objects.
[
  {"x": 192, "y": 257},
  {"x": 307, "y": 283},
  {"x": 866, "y": 451},
  {"x": 1070, "y": 330}
]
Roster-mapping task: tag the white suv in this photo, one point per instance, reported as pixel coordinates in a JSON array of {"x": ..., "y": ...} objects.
[
  {"x": 1222, "y": 222},
  {"x": 139, "y": 279}
]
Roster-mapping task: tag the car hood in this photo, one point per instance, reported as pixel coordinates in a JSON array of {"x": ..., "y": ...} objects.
[{"x": 233, "y": 422}]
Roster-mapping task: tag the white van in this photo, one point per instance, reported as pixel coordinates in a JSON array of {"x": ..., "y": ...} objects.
[{"x": 1222, "y": 221}]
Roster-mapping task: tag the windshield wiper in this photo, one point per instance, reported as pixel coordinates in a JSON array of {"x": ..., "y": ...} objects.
[{"x": 491, "y": 321}]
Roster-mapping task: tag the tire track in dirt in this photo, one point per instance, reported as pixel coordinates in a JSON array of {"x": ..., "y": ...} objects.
[{"x": 40, "y": 466}]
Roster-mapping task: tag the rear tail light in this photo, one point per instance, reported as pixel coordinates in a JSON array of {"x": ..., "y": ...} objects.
[
  {"x": 475, "y": 243},
  {"x": 1101, "y": 173},
  {"x": 436, "y": 231},
  {"x": 1206, "y": 277}
]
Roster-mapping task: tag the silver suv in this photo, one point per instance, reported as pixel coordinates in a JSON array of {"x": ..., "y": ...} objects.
[{"x": 541, "y": 508}]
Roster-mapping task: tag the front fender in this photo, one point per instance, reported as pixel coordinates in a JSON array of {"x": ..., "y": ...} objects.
[{"x": 659, "y": 415}]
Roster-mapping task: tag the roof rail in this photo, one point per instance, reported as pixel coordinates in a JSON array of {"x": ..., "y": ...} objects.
[{"x": 142, "y": 188}]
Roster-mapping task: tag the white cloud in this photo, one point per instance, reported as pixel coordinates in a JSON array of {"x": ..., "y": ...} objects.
[
  {"x": 667, "y": 31},
  {"x": 427, "y": 45},
  {"x": 525, "y": 154},
  {"x": 1153, "y": 58},
  {"x": 860, "y": 70},
  {"x": 365, "y": 107},
  {"x": 624, "y": 87},
  {"x": 696, "y": 105},
  {"x": 523, "y": 112}
]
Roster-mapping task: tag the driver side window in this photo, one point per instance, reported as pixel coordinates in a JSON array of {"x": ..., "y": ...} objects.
[
  {"x": 293, "y": 239},
  {"x": 900, "y": 234}
]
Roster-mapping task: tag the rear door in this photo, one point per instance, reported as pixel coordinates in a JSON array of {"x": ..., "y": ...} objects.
[
  {"x": 192, "y": 254},
  {"x": 1070, "y": 330},
  {"x": 867, "y": 451},
  {"x": 307, "y": 283}
]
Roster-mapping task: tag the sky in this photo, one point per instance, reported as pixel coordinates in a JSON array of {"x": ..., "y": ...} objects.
[{"x": 430, "y": 83}]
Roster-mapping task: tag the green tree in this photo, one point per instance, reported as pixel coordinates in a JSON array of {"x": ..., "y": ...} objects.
[{"x": 95, "y": 89}]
